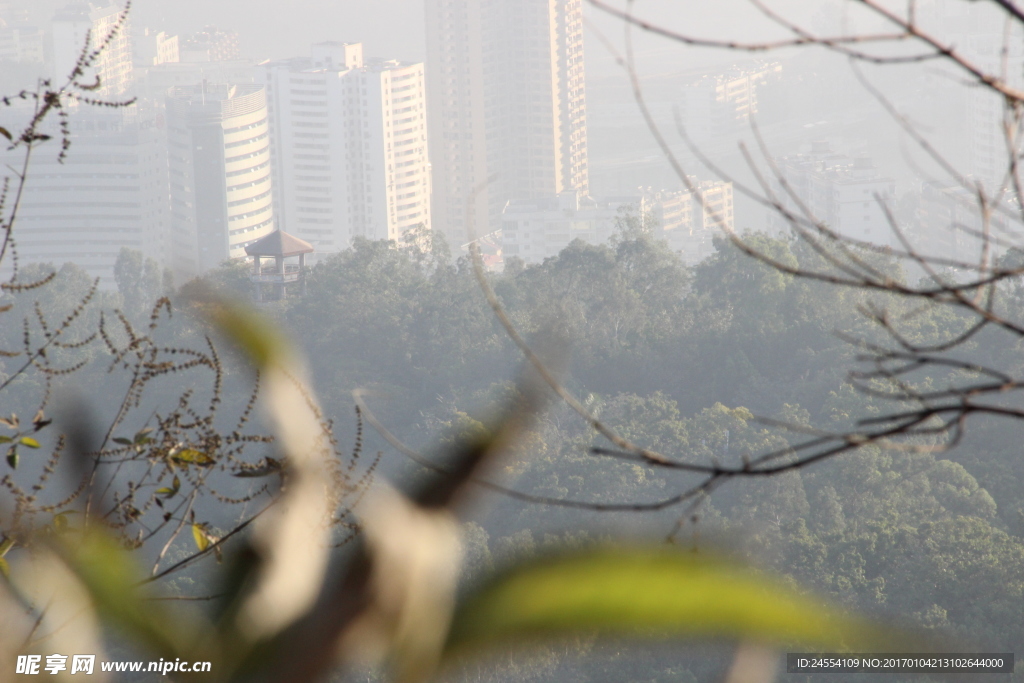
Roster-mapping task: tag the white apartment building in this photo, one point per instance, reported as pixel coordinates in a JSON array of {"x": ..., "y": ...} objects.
[
  {"x": 507, "y": 107},
  {"x": 110, "y": 192},
  {"x": 840, "y": 192},
  {"x": 71, "y": 26},
  {"x": 218, "y": 140},
  {"x": 349, "y": 146}
]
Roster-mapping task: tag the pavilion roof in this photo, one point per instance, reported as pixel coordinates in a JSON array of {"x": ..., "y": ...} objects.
[{"x": 279, "y": 243}]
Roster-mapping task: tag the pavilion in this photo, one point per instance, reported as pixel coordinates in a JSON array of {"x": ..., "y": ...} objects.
[{"x": 281, "y": 274}]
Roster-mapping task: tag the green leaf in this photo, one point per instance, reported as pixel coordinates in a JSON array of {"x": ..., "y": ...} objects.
[
  {"x": 6, "y": 545},
  {"x": 171, "y": 491},
  {"x": 6, "y": 439},
  {"x": 28, "y": 441},
  {"x": 123, "y": 441},
  {"x": 6, "y": 133},
  {"x": 200, "y": 536},
  {"x": 5, "y": 568},
  {"x": 12, "y": 458},
  {"x": 140, "y": 436},
  {"x": 635, "y": 591},
  {"x": 190, "y": 456}
]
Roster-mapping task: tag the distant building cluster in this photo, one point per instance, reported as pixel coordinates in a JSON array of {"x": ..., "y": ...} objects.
[
  {"x": 218, "y": 152},
  {"x": 486, "y": 141},
  {"x": 718, "y": 106},
  {"x": 348, "y": 145},
  {"x": 845, "y": 195},
  {"x": 536, "y": 229}
]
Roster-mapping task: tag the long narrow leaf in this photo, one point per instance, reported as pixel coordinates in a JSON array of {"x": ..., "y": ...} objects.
[{"x": 648, "y": 592}]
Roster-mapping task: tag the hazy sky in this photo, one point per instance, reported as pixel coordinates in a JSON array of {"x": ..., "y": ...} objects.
[{"x": 394, "y": 28}]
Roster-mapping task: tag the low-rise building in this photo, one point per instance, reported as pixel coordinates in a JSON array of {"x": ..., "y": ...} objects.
[{"x": 537, "y": 229}]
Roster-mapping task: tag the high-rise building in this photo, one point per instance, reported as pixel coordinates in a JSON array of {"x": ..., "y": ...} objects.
[
  {"x": 507, "y": 106},
  {"x": 109, "y": 192},
  {"x": 113, "y": 67},
  {"x": 220, "y": 176},
  {"x": 349, "y": 146}
]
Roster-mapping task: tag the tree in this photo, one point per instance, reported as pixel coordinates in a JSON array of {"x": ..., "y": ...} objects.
[{"x": 140, "y": 282}]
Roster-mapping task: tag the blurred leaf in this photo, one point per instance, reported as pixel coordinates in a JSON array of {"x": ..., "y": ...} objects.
[
  {"x": 60, "y": 520},
  {"x": 5, "y": 568},
  {"x": 635, "y": 591},
  {"x": 6, "y": 545},
  {"x": 112, "y": 580},
  {"x": 28, "y": 441},
  {"x": 11, "y": 422},
  {"x": 141, "y": 436},
  {"x": 12, "y": 458},
  {"x": 292, "y": 537},
  {"x": 271, "y": 466},
  {"x": 123, "y": 441},
  {"x": 40, "y": 421},
  {"x": 260, "y": 340},
  {"x": 6, "y": 439},
  {"x": 7, "y": 134}
]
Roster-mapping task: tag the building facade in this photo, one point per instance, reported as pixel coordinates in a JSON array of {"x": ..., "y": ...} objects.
[
  {"x": 689, "y": 224},
  {"x": 109, "y": 192},
  {"x": 839, "y": 192},
  {"x": 113, "y": 67},
  {"x": 349, "y": 144},
  {"x": 218, "y": 140},
  {"x": 536, "y": 229},
  {"x": 507, "y": 107}
]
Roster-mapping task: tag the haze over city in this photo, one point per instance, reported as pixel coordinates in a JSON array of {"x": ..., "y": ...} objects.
[{"x": 809, "y": 107}]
